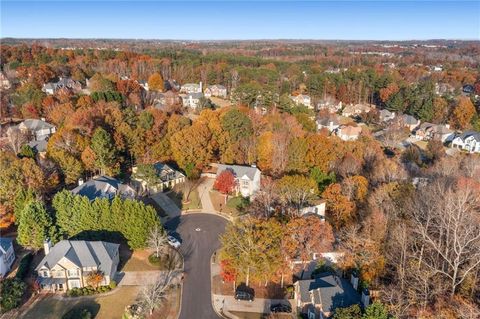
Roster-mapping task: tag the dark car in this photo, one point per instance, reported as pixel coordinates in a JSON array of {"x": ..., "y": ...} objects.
[
  {"x": 280, "y": 308},
  {"x": 243, "y": 295}
]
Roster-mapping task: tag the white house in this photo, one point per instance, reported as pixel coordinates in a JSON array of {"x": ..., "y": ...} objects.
[
  {"x": 37, "y": 130},
  {"x": 247, "y": 178},
  {"x": 356, "y": 109},
  {"x": 192, "y": 100},
  {"x": 329, "y": 103},
  {"x": 348, "y": 132},
  {"x": 216, "y": 90},
  {"x": 317, "y": 208},
  {"x": 386, "y": 115},
  {"x": 63, "y": 83},
  {"x": 427, "y": 131},
  {"x": 468, "y": 141},
  {"x": 166, "y": 177},
  {"x": 4, "y": 81},
  {"x": 68, "y": 264},
  {"x": 191, "y": 88},
  {"x": 7, "y": 255},
  {"x": 330, "y": 122},
  {"x": 302, "y": 99}
]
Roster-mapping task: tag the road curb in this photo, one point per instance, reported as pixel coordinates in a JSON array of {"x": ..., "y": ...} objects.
[
  {"x": 181, "y": 287},
  {"x": 220, "y": 314}
]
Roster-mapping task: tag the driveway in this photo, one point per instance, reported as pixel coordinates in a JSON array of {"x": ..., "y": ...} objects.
[
  {"x": 137, "y": 278},
  {"x": 167, "y": 205},
  {"x": 199, "y": 234},
  {"x": 204, "y": 192}
]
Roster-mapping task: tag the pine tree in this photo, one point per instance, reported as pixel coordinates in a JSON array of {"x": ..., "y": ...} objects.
[
  {"x": 104, "y": 149},
  {"x": 35, "y": 226}
]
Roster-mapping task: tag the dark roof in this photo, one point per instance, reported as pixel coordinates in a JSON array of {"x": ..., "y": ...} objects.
[
  {"x": 82, "y": 253},
  {"x": 5, "y": 244},
  {"x": 467, "y": 134},
  {"x": 103, "y": 186},
  {"x": 329, "y": 290}
]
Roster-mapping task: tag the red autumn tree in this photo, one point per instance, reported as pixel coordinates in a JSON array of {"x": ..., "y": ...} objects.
[
  {"x": 228, "y": 273},
  {"x": 225, "y": 182}
]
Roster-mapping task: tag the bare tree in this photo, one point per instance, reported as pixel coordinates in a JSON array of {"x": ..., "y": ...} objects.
[
  {"x": 153, "y": 294},
  {"x": 446, "y": 221},
  {"x": 16, "y": 139},
  {"x": 157, "y": 240}
]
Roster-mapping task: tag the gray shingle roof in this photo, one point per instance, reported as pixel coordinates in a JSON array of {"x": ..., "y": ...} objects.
[
  {"x": 36, "y": 125},
  {"x": 238, "y": 170},
  {"x": 82, "y": 253},
  {"x": 409, "y": 120},
  {"x": 166, "y": 173},
  {"x": 467, "y": 134},
  {"x": 39, "y": 146},
  {"x": 99, "y": 187},
  {"x": 5, "y": 244},
  {"x": 332, "y": 291}
]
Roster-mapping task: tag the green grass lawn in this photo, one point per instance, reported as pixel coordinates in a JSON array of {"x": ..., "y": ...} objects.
[
  {"x": 177, "y": 194},
  {"x": 104, "y": 307}
]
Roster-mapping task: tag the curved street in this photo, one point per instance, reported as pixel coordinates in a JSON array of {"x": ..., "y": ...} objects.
[{"x": 199, "y": 235}]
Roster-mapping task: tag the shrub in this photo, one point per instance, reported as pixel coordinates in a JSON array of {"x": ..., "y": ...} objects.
[
  {"x": 11, "y": 292},
  {"x": 113, "y": 284},
  {"x": 24, "y": 266},
  {"x": 78, "y": 313},
  {"x": 154, "y": 260}
]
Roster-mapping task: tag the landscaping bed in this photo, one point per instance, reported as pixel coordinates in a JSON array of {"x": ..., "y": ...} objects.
[
  {"x": 271, "y": 291},
  {"x": 177, "y": 195}
]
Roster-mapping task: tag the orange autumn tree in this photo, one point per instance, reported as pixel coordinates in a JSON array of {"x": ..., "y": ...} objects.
[
  {"x": 225, "y": 182},
  {"x": 95, "y": 278},
  {"x": 463, "y": 113},
  {"x": 155, "y": 82},
  {"x": 341, "y": 210}
]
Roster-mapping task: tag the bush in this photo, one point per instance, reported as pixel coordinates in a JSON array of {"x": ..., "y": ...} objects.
[
  {"x": 24, "y": 266},
  {"x": 74, "y": 292},
  {"x": 89, "y": 290},
  {"x": 113, "y": 284},
  {"x": 78, "y": 313},
  {"x": 11, "y": 292},
  {"x": 154, "y": 260}
]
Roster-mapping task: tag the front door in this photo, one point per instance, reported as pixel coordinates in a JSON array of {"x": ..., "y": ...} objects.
[{"x": 74, "y": 283}]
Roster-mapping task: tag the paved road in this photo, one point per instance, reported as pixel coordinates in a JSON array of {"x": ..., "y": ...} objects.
[
  {"x": 166, "y": 204},
  {"x": 199, "y": 236}
]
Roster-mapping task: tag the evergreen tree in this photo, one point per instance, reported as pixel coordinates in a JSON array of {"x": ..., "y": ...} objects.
[
  {"x": 35, "y": 226},
  {"x": 104, "y": 149}
]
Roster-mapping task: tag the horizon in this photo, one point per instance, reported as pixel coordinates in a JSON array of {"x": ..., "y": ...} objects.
[{"x": 242, "y": 21}]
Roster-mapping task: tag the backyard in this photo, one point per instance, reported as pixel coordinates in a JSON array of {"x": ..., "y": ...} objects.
[{"x": 178, "y": 196}]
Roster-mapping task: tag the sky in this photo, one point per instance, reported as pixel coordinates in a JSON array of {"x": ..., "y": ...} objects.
[{"x": 200, "y": 20}]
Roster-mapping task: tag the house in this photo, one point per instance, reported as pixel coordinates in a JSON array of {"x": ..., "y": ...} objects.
[
  {"x": 319, "y": 297},
  {"x": 316, "y": 208},
  {"x": 348, "y": 132},
  {"x": 192, "y": 100},
  {"x": 37, "y": 130},
  {"x": 191, "y": 88},
  {"x": 467, "y": 141},
  {"x": 356, "y": 109},
  {"x": 409, "y": 122},
  {"x": 103, "y": 187},
  {"x": 443, "y": 88},
  {"x": 63, "y": 83},
  {"x": 247, "y": 178},
  {"x": 329, "y": 122},
  {"x": 171, "y": 98},
  {"x": 216, "y": 90},
  {"x": 39, "y": 147},
  {"x": 68, "y": 264},
  {"x": 302, "y": 99},
  {"x": 428, "y": 131},
  {"x": 330, "y": 104},
  {"x": 166, "y": 176},
  {"x": 7, "y": 255},
  {"x": 386, "y": 115},
  {"x": 468, "y": 89},
  {"x": 144, "y": 85},
  {"x": 4, "y": 82}
]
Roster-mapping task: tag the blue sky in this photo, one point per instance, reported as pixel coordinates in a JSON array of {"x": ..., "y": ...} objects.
[{"x": 199, "y": 20}]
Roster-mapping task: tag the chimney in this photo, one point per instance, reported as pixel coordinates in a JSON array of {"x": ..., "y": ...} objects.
[
  {"x": 365, "y": 298},
  {"x": 201, "y": 87},
  {"x": 80, "y": 181},
  {"x": 447, "y": 126},
  {"x": 354, "y": 280},
  {"x": 43, "y": 119},
  {"x": 47, "y": 244}
]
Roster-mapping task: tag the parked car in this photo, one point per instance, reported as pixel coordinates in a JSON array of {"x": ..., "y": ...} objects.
[
  {"x": 243, "y": 295},
  {"x": 172, "y": 241},
  {"x": 280, "y": 308}
]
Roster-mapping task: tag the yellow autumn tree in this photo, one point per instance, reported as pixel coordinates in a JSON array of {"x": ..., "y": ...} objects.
[
  {"x": 463, "y": 113},
  {"x": 155, "y": 82}
]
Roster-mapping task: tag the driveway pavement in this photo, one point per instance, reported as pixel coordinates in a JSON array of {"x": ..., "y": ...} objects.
[
  {"x": 204, "y": 192},
  {"x": 137, "y": 278},
  {"x": 199, "y": 234},
  {"x": 258, "y": 305},
  {"x": 166, "y": 204}
]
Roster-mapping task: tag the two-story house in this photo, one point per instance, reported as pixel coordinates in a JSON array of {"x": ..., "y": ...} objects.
[
  {"x": 216, "y": 90},
  {"x": 7, "y": 255},
  {"x": 63, "y": 83},
  {"x": 165, "y": 177},
  {"x": 191, "y": 88},
  {"x": 69, "y": 263},
  {"x": 247, "y": 178},
  {"x": 37, "y": 130},
  {"x": 103, "y": 187},
  {"x": 302, "y": 99},
  {"x": 192, "y": 100},
  {"x": 348, "y": 132},
  {"x": 467, "y": 141}
]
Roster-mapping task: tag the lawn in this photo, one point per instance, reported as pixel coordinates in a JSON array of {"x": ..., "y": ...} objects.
[
  {"x": 138, "y": 260},
  {"x": 177, "y": 195},
  {"x": 233, "y": 206},
  {"x": 105, "y": 307}
]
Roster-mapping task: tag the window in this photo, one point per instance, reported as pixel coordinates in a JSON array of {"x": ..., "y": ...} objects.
[{"x": 73, "y": 273}]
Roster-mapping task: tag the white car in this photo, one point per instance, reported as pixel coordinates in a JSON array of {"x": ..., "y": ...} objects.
[{"x": 172, "y": 241}]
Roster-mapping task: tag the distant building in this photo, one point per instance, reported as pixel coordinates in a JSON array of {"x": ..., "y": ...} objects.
[
  {"x": 386, "y": 115},
  {"x": 7, "y": 255},
  {"x": 428, "y": 131},
  {"x": 348, "y": 132},
  {"x": 467, "y": 141},
  {"x": 302, "y": 99},
  {"x": 356, "y": 109},
  {"x": 216, "y": 90},
  {"x": 409, "y": 122},
  {"x": 192, "y": 100},
  {"x": 191, "y": 88},
  {"x": 166, "y": 176},
  {"x": 329, "y": 103},
  {"x": 144, "y": 85},
  {"x": 4, "y": 82},
  {"x": 247, "y": 178},
  {"x": 68, "y": 264},
  {"x": 316, "y": 208},
  {"x": 63, "y": 83},
  {"x": 330, "y": 122},
  {"x": 103, "y": 187}
]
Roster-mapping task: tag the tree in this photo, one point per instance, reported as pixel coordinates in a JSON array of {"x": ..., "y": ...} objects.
[
  {"x": 26, "y": 151},
  {"x": 237, "y": 124},
  {"x": 306, "y": 236},
  {"x": 94, "y": 278},
  {"x": 296, "y": 190},
  {"x": 157, "y": 240},
  {"x": 463, "y": 113},
  {"x": 34, "y": 226},
  {"x": 322, "y": 179},
  {"x": 11, "y": 293},
  {"x": 104, "y": 149},
  {"x": 16, "y": 139},
  {"x": 341, "y": 209},
  {"x": 155, "y": 82},
  {"x": 376, "y": 310},
  {"x": 352, "y": 312},
  {"x": 152, "y": 295},
  {"x": 225, "y": 182}
]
